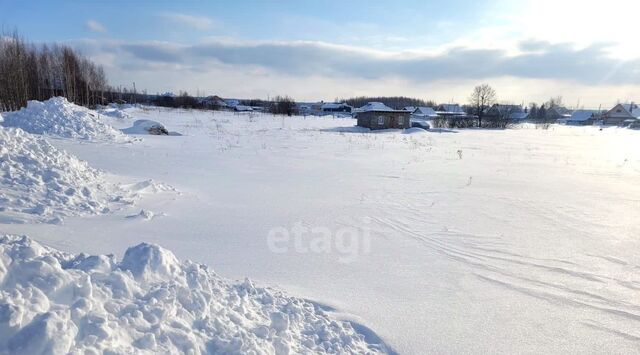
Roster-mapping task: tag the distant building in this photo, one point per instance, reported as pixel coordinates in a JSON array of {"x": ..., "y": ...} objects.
[
  {"x": 376, "y": 115},
  {"x": 582, "y": 117},
  {"x": 555, "y": 113},
  {"x": 508, "y": 112},
  {"x": 450, "y": 110},
  {"x": 214, "y": 101},
  {"x": 424, "y": 112},
  {"x": 330, "y": 107},
  {"x": 621, "y": 113},
  {"x": 242, "y": 108},
  {"x": 323, "y": 108},
  {"x": 232, "y": 102}
]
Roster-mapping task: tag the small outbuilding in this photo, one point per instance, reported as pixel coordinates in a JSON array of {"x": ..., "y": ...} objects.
[{"x": 376, "y": 115}]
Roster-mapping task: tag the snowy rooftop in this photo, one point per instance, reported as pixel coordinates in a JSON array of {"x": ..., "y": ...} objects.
[
  {"x": 333, "y": 105},
  {"x": 375, "y": 106},
  {"x": 633, "y": 109},
  {"x": 450, "y": 108},
  {"x": 424, "y": 111},
  {"x": 583, "y": 115}
]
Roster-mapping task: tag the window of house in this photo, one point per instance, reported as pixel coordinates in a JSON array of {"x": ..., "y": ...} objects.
[
  {"x": 400, "y": 121},
  {"x": 380, "y": 120}
]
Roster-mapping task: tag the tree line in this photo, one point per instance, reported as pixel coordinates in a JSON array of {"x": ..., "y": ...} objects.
[{"x": 31, "y": 72}]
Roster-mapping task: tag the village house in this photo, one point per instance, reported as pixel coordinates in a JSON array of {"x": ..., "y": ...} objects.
[
  {"x": 214, "y": 101},
  {"x": 555, "y": 113},
  {"x": 621, "y": 114},
  {"x": 323, "y": 108},
  {"x": 376, "y": 115},
  {"x": 424, "y": 112},
  {"x": 331, "y": 107},
  {"x": 506, "y": 112},
  {"x": 450, "y": 110},
  {"x": 582, "y": 117}
]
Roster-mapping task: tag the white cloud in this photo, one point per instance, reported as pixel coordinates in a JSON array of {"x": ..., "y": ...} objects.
[
  {"x": 95, "y": 26},
  {"x": 313, "y": 70},
  {"x": 197, "y": 22}
]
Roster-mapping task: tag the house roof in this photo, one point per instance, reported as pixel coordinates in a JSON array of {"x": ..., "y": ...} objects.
[
  {"x": 633, "y": 109},
  {"x": 424, "y": 111},
  {"x": 518, "y": 115},
  {"x": 451, "y": 108},
  {"x": 333, "y": 105},
  {"x": 243, "y": 108},
  {"x": 561, "y": 110},
  {"x": 375, "y": 106},
  {"x": 583, "y": 115},
  {"x": 409, "y": 108}
]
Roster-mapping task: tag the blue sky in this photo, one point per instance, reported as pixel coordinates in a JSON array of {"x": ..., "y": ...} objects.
[{"x": 528, "y": 50}]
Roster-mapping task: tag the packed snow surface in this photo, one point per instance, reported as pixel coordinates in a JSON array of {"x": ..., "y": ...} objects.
[
  {"x": 38, "y": 179},
  {"x": 149, "y": 302},
  {"x": 58, "y": 117}
]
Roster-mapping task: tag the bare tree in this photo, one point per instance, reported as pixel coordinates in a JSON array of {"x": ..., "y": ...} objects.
[{"x": 482, "y": 98}]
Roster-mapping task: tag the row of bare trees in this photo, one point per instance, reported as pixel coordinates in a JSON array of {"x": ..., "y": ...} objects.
[{"x": 30, "y": 72}]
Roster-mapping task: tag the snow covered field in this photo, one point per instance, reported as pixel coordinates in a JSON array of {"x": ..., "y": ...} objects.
[{"x": 470, "y": 241}]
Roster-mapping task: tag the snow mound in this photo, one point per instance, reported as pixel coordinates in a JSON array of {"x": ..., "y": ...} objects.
[
  {"x": 40, "y": 180},
  {"x": 150, "y": 302},
  {"x": 58, "y": 117},
  {"x": 114, "y": 113},
  {"x": 147, "y": 127}
]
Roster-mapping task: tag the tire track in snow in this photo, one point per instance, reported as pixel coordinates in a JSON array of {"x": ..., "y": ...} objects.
[{"x": 542, "y": 278}]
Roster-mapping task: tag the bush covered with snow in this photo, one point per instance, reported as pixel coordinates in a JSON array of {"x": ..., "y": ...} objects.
[
  {"x": 53, "y": 302},
  {"x": 38, "y": 179},
  {"x": 59, "y": 117}
]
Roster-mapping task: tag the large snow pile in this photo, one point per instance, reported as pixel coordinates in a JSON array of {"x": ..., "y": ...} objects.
[
  {"x": 38, "y": 179},
  {"x": 59, "y": 117},
  {"x": 53, "y": 302}
]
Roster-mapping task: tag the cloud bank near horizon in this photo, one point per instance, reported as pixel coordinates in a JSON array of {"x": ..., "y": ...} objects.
[{"x": 534, "y": 61}]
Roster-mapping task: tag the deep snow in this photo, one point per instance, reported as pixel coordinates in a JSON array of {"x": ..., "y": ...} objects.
[
  {"x": 40, "y": 182},
  {"x": 60, "y": 118},
  {"x": 482, "y": 241},
  {"x": 149, "y": 302}
]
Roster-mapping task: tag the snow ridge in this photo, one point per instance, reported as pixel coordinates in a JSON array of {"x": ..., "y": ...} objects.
[
  {"x": 58, "y": 117},
  {"x": 38, "y": 179},
  {"x": 150, "y": 302}
]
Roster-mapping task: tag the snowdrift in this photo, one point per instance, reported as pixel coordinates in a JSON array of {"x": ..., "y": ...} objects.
[
  {"x": 40, "y": 180},
  {"x": 149, "y": 302},
  {"x": 58, "y": 117},
  {"x": 148, "y": 127},
  {"x": 114, "y": 113}
]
